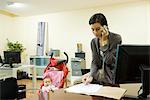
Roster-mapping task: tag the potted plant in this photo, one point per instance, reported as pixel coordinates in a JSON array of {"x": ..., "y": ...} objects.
[{"x": 16, "y": 46}]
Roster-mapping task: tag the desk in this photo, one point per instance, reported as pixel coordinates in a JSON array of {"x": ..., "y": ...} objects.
[
  {"x": 61, "y": 95},
  {"x": 5, "y": 73},
  {"x": 12, "y": 72},
  {"x": 131, "y": 94},
  {"x": 21, "y": 67},
  {"x": 28, "y": 67},
  {"x": 132, "y": 91}
]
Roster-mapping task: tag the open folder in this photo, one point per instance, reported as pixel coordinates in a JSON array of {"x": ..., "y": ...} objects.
[{"x": 97, "y": 90}]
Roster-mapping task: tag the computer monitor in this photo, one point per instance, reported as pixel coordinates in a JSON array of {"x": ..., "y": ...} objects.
[
  {"x": 129, "y": 58},
  {"x": 80, "y": 55},
  {"x": 1, "y": 61},
  {"x": 11, "y": 57}
]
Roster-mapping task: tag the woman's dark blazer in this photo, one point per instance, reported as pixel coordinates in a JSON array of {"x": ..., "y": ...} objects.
[{"x": 110, "y": 59}]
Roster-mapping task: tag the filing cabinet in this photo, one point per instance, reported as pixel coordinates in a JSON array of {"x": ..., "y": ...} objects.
[
  {"x": 76, "y": 65},
  {"x": 40, "y": 63},
  {"x": 39, "y": 60}
]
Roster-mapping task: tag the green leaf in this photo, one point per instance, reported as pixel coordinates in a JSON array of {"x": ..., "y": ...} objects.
[{"x": 16, "y": 46}]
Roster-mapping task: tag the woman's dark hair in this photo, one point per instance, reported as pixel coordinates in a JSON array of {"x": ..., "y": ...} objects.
[{"x": 98, "y": 17}]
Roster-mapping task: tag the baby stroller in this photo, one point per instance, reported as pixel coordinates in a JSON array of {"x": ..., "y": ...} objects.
[{"x": 57, "y": 71}]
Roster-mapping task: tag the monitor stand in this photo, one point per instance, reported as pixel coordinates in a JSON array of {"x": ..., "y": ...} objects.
[
  {"x": 11, "y": 66},
  {"x": 10, "y": 63},
  {"x": 145, "y": 77}
]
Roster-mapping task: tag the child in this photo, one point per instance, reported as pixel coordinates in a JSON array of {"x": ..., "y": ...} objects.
[{"x": 48, "y": 86}]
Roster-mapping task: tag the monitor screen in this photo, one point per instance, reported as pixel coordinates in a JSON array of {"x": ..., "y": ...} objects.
[
  {"x": 11, "y": 57},
  {"x": 1, "y": 61},
  {"x": 80, "y": 55},
  {"x": 129, "y": 58}
]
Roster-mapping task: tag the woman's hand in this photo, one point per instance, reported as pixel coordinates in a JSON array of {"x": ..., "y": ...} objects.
[
  {"x": 87, "y": 78},
  {"x": 104, "y": 37}
]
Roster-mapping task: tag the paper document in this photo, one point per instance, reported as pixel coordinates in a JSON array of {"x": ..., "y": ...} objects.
[
  {"x": 89, "y": 89},
  {"x": 97, "y": 90}
]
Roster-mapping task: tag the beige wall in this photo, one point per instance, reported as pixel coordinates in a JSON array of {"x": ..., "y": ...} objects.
[
  {"x": 130, "y": 20},
  {"x": 6, "y": 29}
]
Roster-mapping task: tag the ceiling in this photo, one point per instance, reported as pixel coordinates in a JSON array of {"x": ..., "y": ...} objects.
[{"x": 37, "y": 7}]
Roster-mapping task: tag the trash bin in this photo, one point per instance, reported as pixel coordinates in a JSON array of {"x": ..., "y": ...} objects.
[{"x": 21, "y": 92}]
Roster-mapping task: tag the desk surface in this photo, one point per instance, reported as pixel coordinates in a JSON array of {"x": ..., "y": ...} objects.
[
  {"x": 61, "y": 95},
  {"x": 131, "y": 93}
]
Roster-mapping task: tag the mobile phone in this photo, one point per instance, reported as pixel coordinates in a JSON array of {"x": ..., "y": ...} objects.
[{"x": 105, "y": 27}]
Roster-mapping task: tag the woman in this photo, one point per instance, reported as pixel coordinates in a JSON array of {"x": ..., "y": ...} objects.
[{"x": 103, "y": 52}]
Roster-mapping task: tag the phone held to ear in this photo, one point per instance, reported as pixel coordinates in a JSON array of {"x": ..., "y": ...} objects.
[
  {"x": 105, "y": 33},
  {"x": 105, "y": 28}
]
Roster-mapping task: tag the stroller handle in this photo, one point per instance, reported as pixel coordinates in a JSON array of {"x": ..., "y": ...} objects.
[
  {"x": 51, "y": 54},
  {"x": 67, "y": 57}
]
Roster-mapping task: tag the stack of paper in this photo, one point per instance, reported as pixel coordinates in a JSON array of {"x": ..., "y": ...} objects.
[
  {"x": 89, "y": 89},
  {"x": 97, "y": 90}
]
